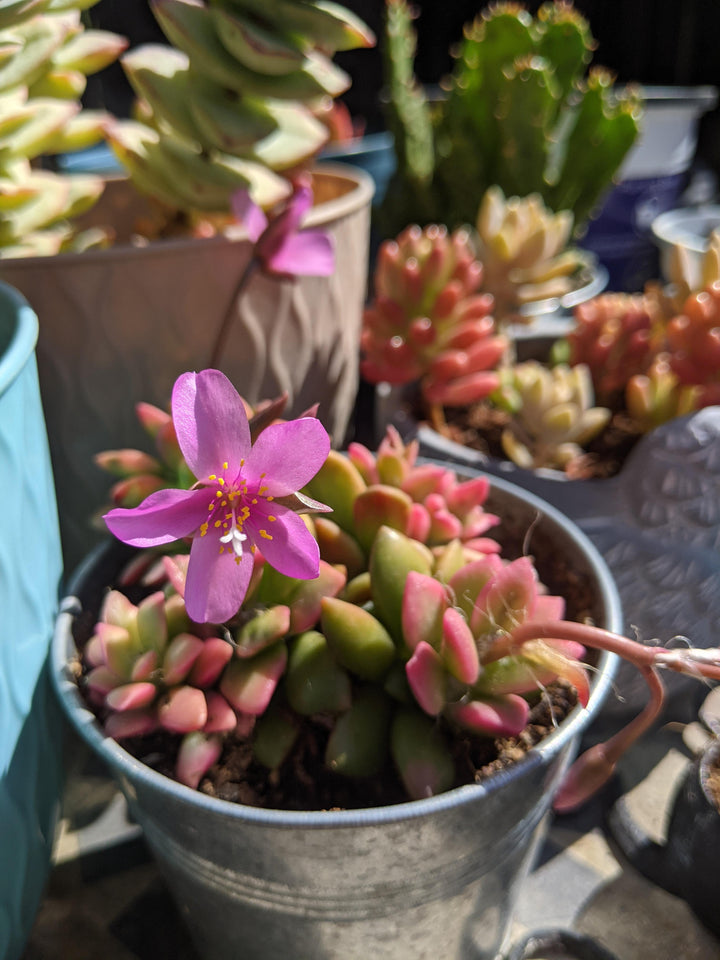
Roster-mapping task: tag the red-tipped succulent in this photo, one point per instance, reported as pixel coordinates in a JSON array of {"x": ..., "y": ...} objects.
[{"x": 429, "y": 322}]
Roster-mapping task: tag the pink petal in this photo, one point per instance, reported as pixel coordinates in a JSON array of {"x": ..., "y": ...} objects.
[
  {"x": 248, "y": 213},
  {"x": 165, "y": 516},
  {"x": 292, "y": 550},
  {"x": 288, "y": 454},
  {"x": 216, "y": 585},
  {"x": 210, "y": 421},
  {"x": 309, "y": 253}
]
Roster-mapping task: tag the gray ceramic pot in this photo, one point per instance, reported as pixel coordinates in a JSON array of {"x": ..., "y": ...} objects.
[{"x": 428, "y": 879}]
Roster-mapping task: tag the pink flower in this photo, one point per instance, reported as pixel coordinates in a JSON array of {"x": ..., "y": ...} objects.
[
  {"x": 280, "y": 246},
  {"x": 233, "y": 508}
]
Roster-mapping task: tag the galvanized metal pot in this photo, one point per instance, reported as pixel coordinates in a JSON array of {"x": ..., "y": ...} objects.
[
  {"x": 428, "y": 879},
  {"x": 119, "y": 326}
]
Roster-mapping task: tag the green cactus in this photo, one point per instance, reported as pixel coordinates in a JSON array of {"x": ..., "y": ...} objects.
[
  {"x": 231, "y": 103},
  {"x": 518, "y": 112},
  {"x": 45, "y": 56}
]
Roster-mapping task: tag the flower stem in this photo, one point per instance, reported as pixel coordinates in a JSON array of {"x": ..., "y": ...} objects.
[{"x": 224, "y": 331}]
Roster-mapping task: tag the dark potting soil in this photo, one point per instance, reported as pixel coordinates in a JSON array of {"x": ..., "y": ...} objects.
[{"x": 480, "y": 426}]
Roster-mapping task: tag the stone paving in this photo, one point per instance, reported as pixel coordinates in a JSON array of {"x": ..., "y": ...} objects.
[{"x": 107, "y": 901}]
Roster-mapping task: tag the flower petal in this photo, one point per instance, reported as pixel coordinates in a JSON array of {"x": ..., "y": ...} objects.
[
  {"x": 287, "y": 455},
  {"x": 292, "y": 550},
  {"x": 248, "y": 213},
  {"x": 210, "y": 421},
  {"x": 216, "y": 585},
  {"x": 309, "y": 253},
  {"x": 164, "y": 516}
]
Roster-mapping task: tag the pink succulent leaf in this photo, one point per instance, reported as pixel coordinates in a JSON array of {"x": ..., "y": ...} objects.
[
  {"x": 459, "y": 653},
  {"x": 506, "y": 600},
  {"x": 151, "y": 623},
  {"x": 131, "y": 696},
  {"x": 145, "y": 666},
  {"x": 249, "y": 214},
  {"x": 131, "y": 723},
  {"x": 176, "y": 568},
  {"x": 460, "y": 391},
  {"x": 548, "y": 607},
  {"x": 309, "y": 253},
  {"x": 248, "y": 685},
  {"x": 552, "y": 659},
  {"x": 94, "y": 653},
  {"x": 198, "y": 752},
  {"x": 424, "y": 480},
  {"x": 305, "y": 606},
  {"x": 483, "y": 545},
  {"x": 444, "y": 526},
  {"x": 101, "y": 680},
  {"x": 184, "y": 709},
  {"x": 210, "y": 663},
  {"x": 500, "y": 717},
  {"x": 419, "y": 523},
  {"x": 426, "y": 677},
  {"x": 463, "y": 497},
  {"x": 423, "y": 605},
  {"x": 477, "y": 522},
  {"x": 471, "y": 579},
  {"x": 221, "y": 716},
  {"x": 179, "y": 658},
  {"x": 117, "y": 610},
  {"x": 365, "y": 462},
  {"x": 136, "y": 568},
  {"x": 589, "y": 772},
  {"x": 262, "y": 631},
  {"x": 569, "y": 648}
]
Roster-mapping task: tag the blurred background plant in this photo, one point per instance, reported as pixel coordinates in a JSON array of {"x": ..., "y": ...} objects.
[
  {"x": 45, "y": 56},
  {"x": 517, "y": 111}
]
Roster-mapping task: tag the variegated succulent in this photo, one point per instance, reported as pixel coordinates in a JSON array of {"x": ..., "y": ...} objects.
[
  {"x": 45, "y": 56},
  {"x": 526, "y": 252},
  {"x": 230, "y": 104},
  {"x": 553, "y": 413}
]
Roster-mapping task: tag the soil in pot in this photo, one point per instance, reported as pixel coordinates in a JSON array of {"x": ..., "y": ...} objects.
[
  {"x": 480, "y": 426},
  {"x": 304, "y": 783}
]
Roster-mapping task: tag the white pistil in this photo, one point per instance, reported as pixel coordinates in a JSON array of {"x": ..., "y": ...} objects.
[{"x": 234, "y": 537}]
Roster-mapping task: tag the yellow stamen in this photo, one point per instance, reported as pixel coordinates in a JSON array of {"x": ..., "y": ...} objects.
[
  {"x": 225, "y": 465},
  {"x": 265, "y": 535},
  {"x": 271, "y": 519},
  {"x": 203, "y": 529}
]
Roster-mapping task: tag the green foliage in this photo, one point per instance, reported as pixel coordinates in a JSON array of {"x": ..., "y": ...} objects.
[
  {"x": 518, "y": 112},
  {"x": 45, "y": 56}
]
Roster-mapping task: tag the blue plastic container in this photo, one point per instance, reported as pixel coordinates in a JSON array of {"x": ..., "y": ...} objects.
[{"x": 30, "y": 575}]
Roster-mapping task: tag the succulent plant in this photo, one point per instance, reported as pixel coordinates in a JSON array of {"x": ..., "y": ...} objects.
[
  {"x": 553, "y": 415},
  {"x": 413, "y": 634},
  {"x": 518, "y": 112},
  {"x": 616, "y": 335},
  {"x": 693, "y": 344},
  {"x": 429, "y": 320},
  {"x": 524, "y": 250},
  {"x": 657, "y": 396},
  {"x": 46, "y": 55},
  {"x": 230, "y": 104}
]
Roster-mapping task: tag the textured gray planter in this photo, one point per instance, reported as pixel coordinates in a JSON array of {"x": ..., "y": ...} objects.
[
  {"x": 118, "y": 326},
  {"x": 657, "y": 525},
  {"x": 430, "y": 879}
]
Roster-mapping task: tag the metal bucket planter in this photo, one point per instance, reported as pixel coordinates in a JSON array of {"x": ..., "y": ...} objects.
[
  {"x": 30, "y": 573},
  {"x": 118, "y": 326},
  {"x": 657, "y": 525},
  {"x": 422, "y": 880}
]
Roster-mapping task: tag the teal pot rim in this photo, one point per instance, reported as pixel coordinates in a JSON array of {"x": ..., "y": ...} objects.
[
  {"x": 321, "y": 215},
  {"x": 132, "y": 770},
  {"x": 22, "y": 340}
]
